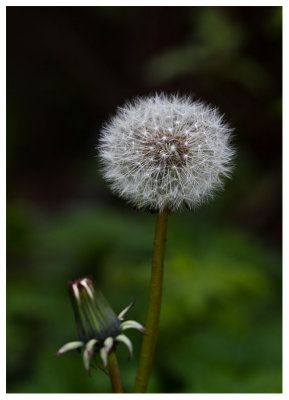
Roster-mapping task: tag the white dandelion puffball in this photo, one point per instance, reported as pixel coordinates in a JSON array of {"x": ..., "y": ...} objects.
[{"x": 166, "y": 151}]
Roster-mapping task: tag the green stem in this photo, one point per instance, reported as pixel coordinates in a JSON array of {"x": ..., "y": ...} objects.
[
  {"x": 114, "y": 374},
  {"x": 154, "y": 307}
]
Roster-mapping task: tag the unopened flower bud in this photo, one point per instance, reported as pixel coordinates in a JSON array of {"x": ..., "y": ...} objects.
[
  {"x": 94, "y": 317},
  {"x": 99, "y": 329}
]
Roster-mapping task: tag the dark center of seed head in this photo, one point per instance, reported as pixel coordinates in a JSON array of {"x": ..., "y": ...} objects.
[{"x": 167, "y": 150}]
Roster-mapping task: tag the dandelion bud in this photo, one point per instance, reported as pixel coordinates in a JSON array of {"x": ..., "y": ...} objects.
[
  {"x": 99, "y": 329},
  {"x": 94, "y": 317},
  {"x": 166, "y": 151}
]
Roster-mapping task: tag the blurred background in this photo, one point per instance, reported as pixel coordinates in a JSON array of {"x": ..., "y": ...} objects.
[{"x": 68, "y": 68}]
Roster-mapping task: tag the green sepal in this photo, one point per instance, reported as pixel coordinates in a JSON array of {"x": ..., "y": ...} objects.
[
  {"x": 88, "y": 352},
  {"x": 104, "y": 351},
  {"x": 69, "y": 346},
  {"x": 132, "y": 325},
  {"x": 123, "y": 312},
  {"x": 125, "y": 340}
]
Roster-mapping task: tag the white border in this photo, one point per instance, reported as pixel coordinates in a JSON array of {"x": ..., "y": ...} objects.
[
  {"x": 285, "y": 203},
  {"x": 3, "y": 192},
  {"x": 3, "y": 196},
  {"x": 163, "y": 3}
]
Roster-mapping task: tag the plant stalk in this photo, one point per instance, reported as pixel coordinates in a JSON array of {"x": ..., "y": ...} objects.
[
  {"x": 114, "y": 374},
  {"x": 154, "y": 307}
]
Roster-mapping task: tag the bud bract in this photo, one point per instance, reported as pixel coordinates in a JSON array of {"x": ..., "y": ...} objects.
[
  {"x": 99, "y": 328},
  {"x": 94, "y": 317}
]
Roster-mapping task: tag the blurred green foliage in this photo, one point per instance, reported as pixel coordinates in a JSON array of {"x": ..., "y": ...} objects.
[
  {"x": 220, "y": 325},
  {"x": 214, "y": 49},
  {"x": 68, "y": 68}
]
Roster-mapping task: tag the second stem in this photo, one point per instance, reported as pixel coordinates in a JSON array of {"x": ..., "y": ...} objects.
[
  {"x": 154, "y": 307},
  {"x": 114, "y": 374}
]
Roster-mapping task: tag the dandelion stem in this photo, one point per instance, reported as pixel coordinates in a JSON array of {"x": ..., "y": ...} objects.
[
  {"x": 154, "y": 307},
  {"x": 114, "y": 374}
]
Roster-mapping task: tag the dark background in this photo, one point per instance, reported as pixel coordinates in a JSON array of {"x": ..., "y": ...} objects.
[{"x": 68, "y": 68}]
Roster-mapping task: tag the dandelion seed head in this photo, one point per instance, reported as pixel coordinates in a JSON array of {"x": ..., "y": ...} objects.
[{"x": 166, "y": 151}]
